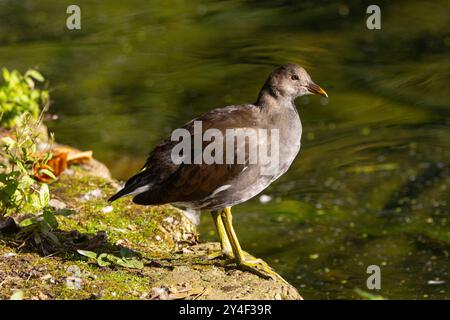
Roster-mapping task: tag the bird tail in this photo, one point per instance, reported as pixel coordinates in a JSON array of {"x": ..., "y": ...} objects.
[
  {"x": 131, "y": 187},
  {"x": 122, "y": 193}
]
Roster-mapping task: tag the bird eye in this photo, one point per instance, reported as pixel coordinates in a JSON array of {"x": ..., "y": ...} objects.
[{"x": 294, "y": 77}]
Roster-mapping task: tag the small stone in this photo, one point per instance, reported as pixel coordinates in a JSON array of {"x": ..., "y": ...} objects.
[
  {"x": 74, "y": 283},
  {"x": 159, "y": 293},
  {"x": 93, "y": 194},
  {"x": 123, "y": 243},
  {"x": 73, "y": 269},
  {"x": 9, "y": 255},
  {"x": 169, "y": 220},
  {"x": 186, "y": 251},
  {"x": 8, "y": 226},
  {"x": 107, "y": 209},
  {"x": 46, "y": 277},
  {"x": 69, "y": 172},
  {"x": 57, "y": 204}
]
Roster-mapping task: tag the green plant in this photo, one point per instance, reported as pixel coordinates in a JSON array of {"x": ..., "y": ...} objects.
[
  {"x": 40, "y": 227},
  {"x": 18, "y": 96},
  {"x": 20, "y": 108},
  {"x": 19, "y": 191},
  {"x": 126, "y": 259}
]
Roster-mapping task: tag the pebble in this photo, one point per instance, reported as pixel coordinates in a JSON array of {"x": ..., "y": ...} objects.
[
  {"x": 169, "y": 220},
  {"x": 9, "y": 255},
  {"x": 107, "y": 209},
  {"x": 93, "y": 194},
  {"x": 74, "y": 283},
  {"x": 57, "y": 204}
]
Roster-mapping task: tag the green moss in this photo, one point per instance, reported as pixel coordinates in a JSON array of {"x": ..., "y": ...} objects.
[
  {"x": 155, "y": 234},
  {"x": 135, "y": 227},
  {"x": 126, "y": 222}
]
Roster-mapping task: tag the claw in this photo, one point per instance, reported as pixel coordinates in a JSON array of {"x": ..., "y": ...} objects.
[{"x": 260, "y": 268}]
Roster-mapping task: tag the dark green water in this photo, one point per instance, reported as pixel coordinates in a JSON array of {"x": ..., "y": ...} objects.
[{"x": 371, "y": 183}]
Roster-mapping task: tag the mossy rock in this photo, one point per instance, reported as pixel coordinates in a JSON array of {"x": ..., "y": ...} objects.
[{"x": 161, "y": 237}]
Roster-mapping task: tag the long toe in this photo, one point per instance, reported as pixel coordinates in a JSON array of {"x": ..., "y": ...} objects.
[
  {"x": 260, "y": 268},
  {"x": 219, "y": 255}
]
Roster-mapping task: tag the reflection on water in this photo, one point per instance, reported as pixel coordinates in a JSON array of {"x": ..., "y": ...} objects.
[{"x": 370, "y": 183}]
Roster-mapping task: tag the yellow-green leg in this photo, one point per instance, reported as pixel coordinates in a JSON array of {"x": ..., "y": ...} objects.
[
  {"x": 225, "y": 245},
  {"x": 256, "y": 266}
]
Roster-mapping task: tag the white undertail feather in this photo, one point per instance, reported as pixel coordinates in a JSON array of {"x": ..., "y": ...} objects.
[
  {"x": 192, "y": 215},
  {"x": 139, "y": 190}
]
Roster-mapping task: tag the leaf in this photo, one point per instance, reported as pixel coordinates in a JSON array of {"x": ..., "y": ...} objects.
[
  {"x": 57, "y": 164},
  {"x": 131, "y": 263},
  {"x": 44, "y": 196},
  {"x": 127, "y": 263},
  {"x": 48, "y": 173},
  {"x": 8, "y": 142},
  {"x": 50, "y": 218},
  {"x": 27, "y": 222},
  {"x": 51, "y": 236},
  {"x": 102, "y": 260},
  {"x": 112, "y": 258},
  {"x": 86, "y": 253},
  {"x": 34, "y": 201},
  {"x": 64, "y": 212},
  {"x": 106, "y": 259},
  {"x": 126, "y": 253},
  {"x": 6, "y": 74},
  {"x": 35, "y": 74},
  {"x": 30, "y": 83}
]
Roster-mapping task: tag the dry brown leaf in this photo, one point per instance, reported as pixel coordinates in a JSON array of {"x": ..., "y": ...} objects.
[
  {"x": 62, "y": 157},
  {"x": 74, "y": 155},
  {"x": 57, "y": 164}
]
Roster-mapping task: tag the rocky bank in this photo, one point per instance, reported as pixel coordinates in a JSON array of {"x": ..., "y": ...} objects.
[{"x": 171, "y": 262}]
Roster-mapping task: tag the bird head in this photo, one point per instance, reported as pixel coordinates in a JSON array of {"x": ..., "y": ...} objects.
[{"x": 292, "y": 81}]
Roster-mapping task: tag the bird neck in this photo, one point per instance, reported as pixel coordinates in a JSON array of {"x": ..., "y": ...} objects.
[{"x": 271, "y": 97}]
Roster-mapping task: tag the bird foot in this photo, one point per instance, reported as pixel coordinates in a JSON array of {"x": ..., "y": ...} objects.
[
  {"x": 220, "y": 255},
  {"x": 260, "y": 268}
]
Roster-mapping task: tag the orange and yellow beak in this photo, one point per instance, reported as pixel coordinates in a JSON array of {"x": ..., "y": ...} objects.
[{"x": 316, "y": 89}]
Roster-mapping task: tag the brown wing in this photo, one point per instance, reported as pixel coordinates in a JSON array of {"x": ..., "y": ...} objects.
[{"x": 193, "y": 182}]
